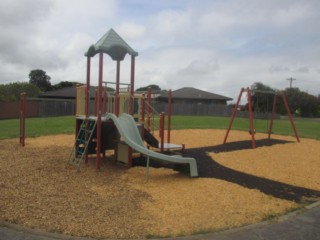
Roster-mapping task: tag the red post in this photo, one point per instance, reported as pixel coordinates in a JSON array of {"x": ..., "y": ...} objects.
[
  {"x": 105, "y": 102},
  {"x": 143, "y": 108},
  {"x": 149, "y": 109},
  {"x": 86, "y": 136},
  {"x": 87, "y": 99},
  {"x": 131, "y": 103},
  {"x": 272, "y": 115},
  {"x": 131, "y": 106},
  {"x": 23, "y": 97},
  {"x": 161, "y": 131},
  {"x": 99, "y": 111},
  {"x": 116, "y": 107},
  {"x": 233, "y": 116},
  {"x": 95, "y": 102},
  {"x": 87, "y": 93},
  {"x": 169, "y": 115},
  {"x": 252, "y": 130},
  {"x": 290, "y": 116}
]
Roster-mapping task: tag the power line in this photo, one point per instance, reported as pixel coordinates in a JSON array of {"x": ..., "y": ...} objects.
[{"x": 291, "y": 80}]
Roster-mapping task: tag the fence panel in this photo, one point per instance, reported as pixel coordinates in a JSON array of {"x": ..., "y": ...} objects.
[
  {"x": 46, "y": 108},
  {"x": 56, "y": 108},
  {"x": 9, "y": 110},
  {"x": 195, "y": 109}
]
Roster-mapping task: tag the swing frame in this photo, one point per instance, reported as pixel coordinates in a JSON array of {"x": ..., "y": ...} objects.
[{"x": 252, "y": 129}]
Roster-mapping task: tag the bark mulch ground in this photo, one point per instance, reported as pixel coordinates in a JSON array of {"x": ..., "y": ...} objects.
[{"x": 237, "y": 186}]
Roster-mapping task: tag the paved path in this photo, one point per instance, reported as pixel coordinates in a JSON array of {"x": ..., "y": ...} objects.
[{"x": 301, "y": 225}]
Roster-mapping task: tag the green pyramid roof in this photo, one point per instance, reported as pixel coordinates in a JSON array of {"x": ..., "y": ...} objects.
[{"x": 113, "y": 45}]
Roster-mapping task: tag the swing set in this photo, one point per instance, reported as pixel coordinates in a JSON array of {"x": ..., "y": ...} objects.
[{"x": 251, "y": 118}]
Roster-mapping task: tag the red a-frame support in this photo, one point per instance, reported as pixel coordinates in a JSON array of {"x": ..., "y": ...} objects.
[{"x": 252, "y": 130}]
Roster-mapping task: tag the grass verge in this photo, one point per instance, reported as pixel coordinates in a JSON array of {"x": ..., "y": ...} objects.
[{"x": 66, "y": 124}]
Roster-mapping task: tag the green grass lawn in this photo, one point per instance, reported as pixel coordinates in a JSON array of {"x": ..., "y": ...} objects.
[
  {"x": 58, "y": 125},
  {"x": 37, "y": 126},
  {"x": 305, "y": 127}
]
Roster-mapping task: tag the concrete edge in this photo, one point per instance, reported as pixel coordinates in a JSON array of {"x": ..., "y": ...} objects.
[{"x": 41, "y": 232}]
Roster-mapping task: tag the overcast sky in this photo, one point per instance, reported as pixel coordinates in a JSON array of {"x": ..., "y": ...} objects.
[{"x": 214, "y": 45}]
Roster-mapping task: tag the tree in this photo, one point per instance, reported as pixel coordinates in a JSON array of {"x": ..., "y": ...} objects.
[
  {"x": 11, "y": 91},
  {"x": 262, "y": 97},
  {"x": 39, "y": 78},
  {"x": 64, "y": 84},
  {"x": 302, "y": 102},
  {"x": 154, "y": 88},
  {"x": 318, "y": 114}
]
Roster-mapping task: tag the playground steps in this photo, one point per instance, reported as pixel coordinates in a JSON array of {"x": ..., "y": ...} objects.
[
  {"x": 150, "y": 139},
  {"x": 83, "y": 139}
]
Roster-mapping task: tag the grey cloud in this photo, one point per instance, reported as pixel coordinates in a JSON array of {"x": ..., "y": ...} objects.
[
  {"x": 199, "y": 67},
  {"x": 22, "y": 13},
  {"x": 277, "y": 68},
  {"x": 21, "y": 28},
  {"x": 302, "y": 70}
]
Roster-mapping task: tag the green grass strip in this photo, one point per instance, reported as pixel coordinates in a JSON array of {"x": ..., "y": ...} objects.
[{"x": 308, "y": 128}]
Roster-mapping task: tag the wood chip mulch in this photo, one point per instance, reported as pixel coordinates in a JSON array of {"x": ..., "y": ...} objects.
[{"x": 237, "y": 186}]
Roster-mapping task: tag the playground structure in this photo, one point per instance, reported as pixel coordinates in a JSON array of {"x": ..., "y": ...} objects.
[
  {"x": 95, "y": 134},
  {"x": 251, "y": 118},
  {"x": 105, "y": 129}
]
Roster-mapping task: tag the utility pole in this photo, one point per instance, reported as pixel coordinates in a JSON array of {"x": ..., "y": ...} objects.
[{"x": 291, "y": 80}]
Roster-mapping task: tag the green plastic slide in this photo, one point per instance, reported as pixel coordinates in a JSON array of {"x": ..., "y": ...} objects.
[{"x": 129, "y": 132}]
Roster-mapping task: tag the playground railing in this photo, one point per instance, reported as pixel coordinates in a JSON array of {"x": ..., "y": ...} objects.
[{"x": 110, "y": 102}]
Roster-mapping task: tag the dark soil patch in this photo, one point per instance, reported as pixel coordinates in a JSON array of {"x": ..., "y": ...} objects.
[
  {"x": 241, "y": 145},
  {"x": 208, "y": 168}
]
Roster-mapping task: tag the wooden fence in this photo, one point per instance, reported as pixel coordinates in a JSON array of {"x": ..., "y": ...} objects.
[
  {"x": 37, "y": 108},
  {"x": 194, "y": 109},
  {"x": 47, "y": 108}
]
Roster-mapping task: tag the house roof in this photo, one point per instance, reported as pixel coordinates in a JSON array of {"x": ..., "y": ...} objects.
[
  {"x": 194, "y": 93},
  {"x": 67, "y": 93},
  {"x": 182, "y": 93},
  {"x": 113, "y": 45}
]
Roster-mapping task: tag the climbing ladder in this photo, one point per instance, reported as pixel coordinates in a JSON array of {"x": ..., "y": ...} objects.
[{"x": 82, "y": 142}]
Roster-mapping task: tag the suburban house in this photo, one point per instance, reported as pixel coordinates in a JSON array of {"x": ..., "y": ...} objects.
[
  {"x": 185, "y": 101},
  {"x": 192, "y": 101},
  {"x": 65, "y": 93},
  {"x": 192, "y": 95}
]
